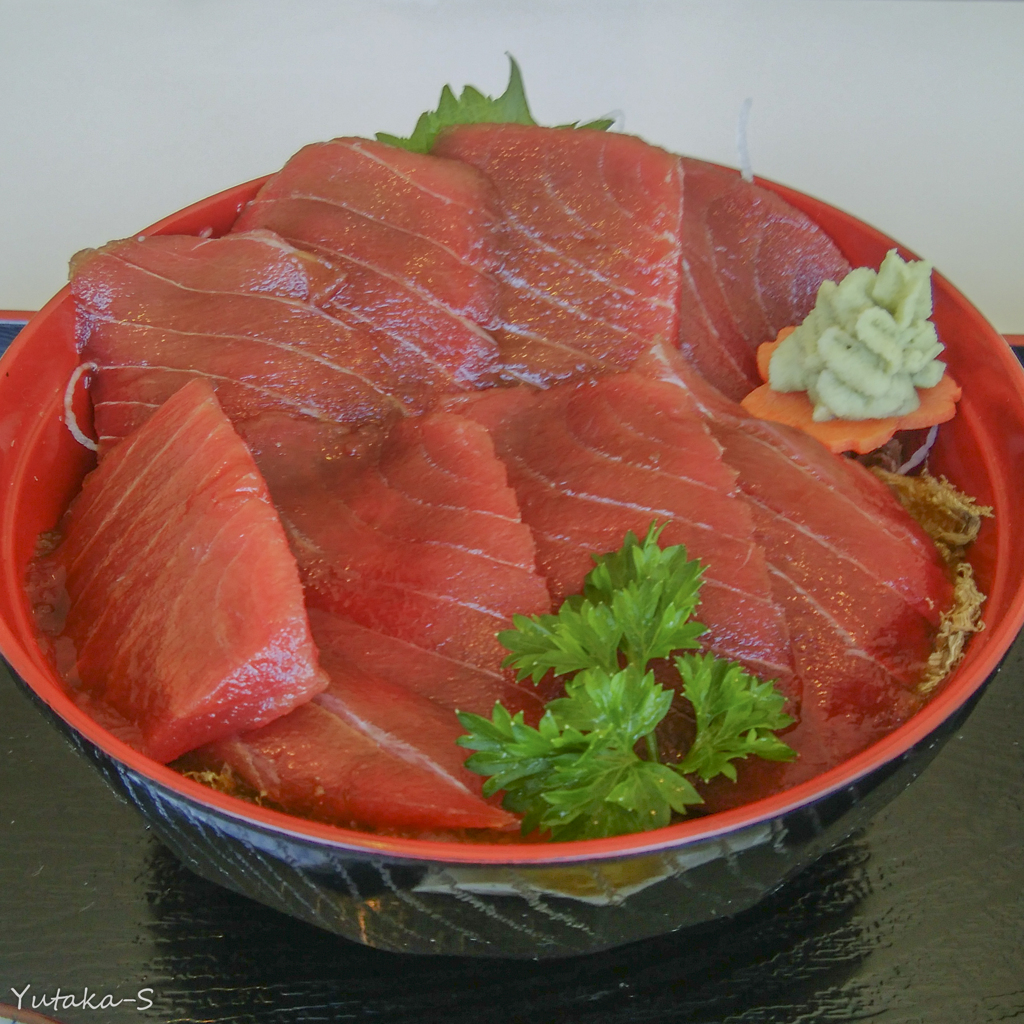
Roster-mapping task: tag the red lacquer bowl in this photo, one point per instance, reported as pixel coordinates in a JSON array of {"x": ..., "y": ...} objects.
[{"x": 517, "y": 900}]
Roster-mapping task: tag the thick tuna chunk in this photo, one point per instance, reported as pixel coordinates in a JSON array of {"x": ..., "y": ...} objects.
[
  {"x": 369, "y": 751},
  {"x": 447, "y": 682},
  {"x": 412, "y": 239},
  {"x": 751, "y": 265},
  {"x": 589, "y": 244},
  {"x": 862, "y": 585},
  {"x": 313, "y": 762},
  {"x": 413, "y": 533},
  {"x": 591, "y": 462},
  {"x": 244, "y": 313},
  {"x": 186, "y": 611}
]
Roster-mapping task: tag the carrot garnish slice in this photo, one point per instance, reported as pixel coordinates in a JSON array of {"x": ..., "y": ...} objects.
[{"x": 795, "y": 409}]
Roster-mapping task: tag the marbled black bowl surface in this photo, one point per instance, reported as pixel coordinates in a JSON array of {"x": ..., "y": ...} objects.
[{"x": 917, "y": 918}]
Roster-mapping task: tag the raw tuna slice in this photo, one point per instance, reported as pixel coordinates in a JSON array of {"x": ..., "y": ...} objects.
[
  {"x": 390, "y": 707},
  {"x": 862, "y": 585},
  {"x": 454, "y": 685},
  {"x": 751, "y": 264},
  {"x": 415, "y": 535},
  {"x": 411, "y": 236},
  {"x": 589, "y": 239},
  {"x": 591, "y": 462},
  {"x": 314, "y": 763},
  {"x": 186, "y": 610},
  {"x": 241, "y": 312}
]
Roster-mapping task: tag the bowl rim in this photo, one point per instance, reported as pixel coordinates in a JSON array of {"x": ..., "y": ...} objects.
[{"x": 995, "y": 642}]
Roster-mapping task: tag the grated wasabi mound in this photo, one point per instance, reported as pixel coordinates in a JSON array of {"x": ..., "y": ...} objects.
[{"x": 867, "y": 345}]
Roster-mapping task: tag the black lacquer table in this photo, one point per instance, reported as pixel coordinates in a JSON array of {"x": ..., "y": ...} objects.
[{"x": 917, "y": 919}]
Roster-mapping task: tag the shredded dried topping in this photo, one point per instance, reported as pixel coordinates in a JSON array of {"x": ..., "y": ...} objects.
[
  {"x": 225, "y": 781},
  {"x": 955, "y": 626},
  {"x": 952, "y": 519}
]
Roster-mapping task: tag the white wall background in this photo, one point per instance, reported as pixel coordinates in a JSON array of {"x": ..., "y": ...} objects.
[{"x": 907, "y": 113}]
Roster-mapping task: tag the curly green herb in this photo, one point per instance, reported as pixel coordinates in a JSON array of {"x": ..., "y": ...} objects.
[{"x": 578, "y": 774}]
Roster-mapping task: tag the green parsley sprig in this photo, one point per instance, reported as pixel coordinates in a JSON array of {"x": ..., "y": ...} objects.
[
  {"x": 578, "y": 774},
  {"x": 473, "y": 107}
]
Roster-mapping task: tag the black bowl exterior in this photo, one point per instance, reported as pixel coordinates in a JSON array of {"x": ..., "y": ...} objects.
[{"x": 526, "y": 911}]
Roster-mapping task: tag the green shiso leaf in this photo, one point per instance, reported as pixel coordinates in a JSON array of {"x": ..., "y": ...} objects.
[{"x": 473, "y": 107}]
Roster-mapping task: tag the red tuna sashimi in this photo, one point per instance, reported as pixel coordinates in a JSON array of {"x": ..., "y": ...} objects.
[
  {"x": 591, "y": 462},
  {"x": 240, "y": 311},
  {"x": 776, "y": 466},
  {"x": 186, "y": 610},
  {"x": 399, "y": 719},
  {"x": 389, "y": 707},
  {"x": 751, "y": 265},
  {"x": 589, "y": 240},
  {"x": 452, "y": 684},
  {"x": 862, "y": 585},
  {"x": 315, "y": 764},
  {"x": 416, "y": 536},
  {"x": 411, "y": 236}
]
